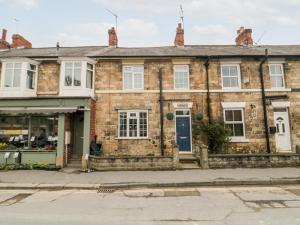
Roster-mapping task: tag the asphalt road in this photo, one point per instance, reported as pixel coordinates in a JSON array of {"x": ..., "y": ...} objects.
[{"x": 207, "y": 206}]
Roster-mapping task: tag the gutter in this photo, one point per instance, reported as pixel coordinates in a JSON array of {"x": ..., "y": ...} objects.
[
  {"x": 161, "y": 107},
  {"x": 261, "y": 74},
  {"x": 206, "y": 64}
]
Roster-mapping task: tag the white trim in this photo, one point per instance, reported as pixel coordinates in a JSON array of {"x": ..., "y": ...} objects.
[
  {"x": 78, "y": 59},
  {"x": 20, "y": 60},
  {"x": 191, "y": 135},
  {"x": 182, "y": 105},
  {"x": 231, "y": 61},
  {"x": 229, "y": 105},
  {"x": 191, "y": 91},
  {"x": 239, "y": 139},
  {"x": 281, "y": 104}
]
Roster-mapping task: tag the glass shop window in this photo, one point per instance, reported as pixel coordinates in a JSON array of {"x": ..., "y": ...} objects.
[{"x": 28, "y": 132}]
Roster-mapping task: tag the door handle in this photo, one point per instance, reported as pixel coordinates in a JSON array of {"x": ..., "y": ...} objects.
[{"x": 183, "y": 137}]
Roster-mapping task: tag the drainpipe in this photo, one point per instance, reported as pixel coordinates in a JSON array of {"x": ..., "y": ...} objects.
[
  {"x": 263, "y": 95},
  {"x": 206, "y": 64},
  {"x": 161, "y": 105}
]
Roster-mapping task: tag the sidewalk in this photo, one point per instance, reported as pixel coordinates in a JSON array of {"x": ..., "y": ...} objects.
[{"x": 135, "y": 179}]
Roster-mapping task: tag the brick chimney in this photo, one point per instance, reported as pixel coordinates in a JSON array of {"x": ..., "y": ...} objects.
[
  {"x": 19, "y": 41},
  {"x": 112, "y": 38},
  {"x": 179, "y": 38},
  {"x": 244, "y": 37},
  {"x": 3, "y": 43}
]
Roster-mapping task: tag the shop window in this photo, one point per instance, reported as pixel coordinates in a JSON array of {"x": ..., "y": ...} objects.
[{"x": 28, "y": 132}]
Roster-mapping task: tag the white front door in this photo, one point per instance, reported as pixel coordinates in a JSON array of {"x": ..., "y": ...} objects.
[{"x": 282, "y": 136}]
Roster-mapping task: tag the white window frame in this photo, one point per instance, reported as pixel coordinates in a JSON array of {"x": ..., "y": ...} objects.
[
  {"x": 22, "y": 90},
  {"x": 81, "y": 90},
  {"x": 132, "y": 77},
  {"x": 238, "y": 76},
  {"x": 138, "y": 123},
  {"x": 236, "y": 138},
  {"x": 187, "y": 70},
  {"x": 277, "y": 75}
]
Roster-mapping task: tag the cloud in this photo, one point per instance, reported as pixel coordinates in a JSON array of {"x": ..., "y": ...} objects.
[
  {"x": 25, "y": 4},
  {"x": 212, "y": 34},
  {"x": 130, "y": 32}
]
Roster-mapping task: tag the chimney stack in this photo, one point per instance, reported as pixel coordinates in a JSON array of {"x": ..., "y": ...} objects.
[
  {"x": 3, "y": 43},
  {"x": 112, "y": 38},
  {"x": 179, "y": 38},
  {"x": 244, "y": 37},
  {"x": 19, "y": 41}
]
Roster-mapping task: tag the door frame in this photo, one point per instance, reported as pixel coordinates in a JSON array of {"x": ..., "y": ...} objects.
[
  {"x": 286, "y": 112},
  {"x": 191, "y": 136},
  {"x": 77, "y": 114}
]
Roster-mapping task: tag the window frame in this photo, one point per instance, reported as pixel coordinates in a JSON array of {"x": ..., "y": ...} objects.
[
  {"x": 277, "y": 75},
  {"x": 188, "y": 76},
  {"x": 236, "y": 138},
  {"x": 132, "y": 77},
  {"x": 138, "y": 124},
  {"x": 21, "y": 90},
  {"x": 237, "y": 65},
  {"x": 81, "y": 90}
]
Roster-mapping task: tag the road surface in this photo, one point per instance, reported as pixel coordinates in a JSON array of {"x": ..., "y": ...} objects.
[{"x": 191, "y": 206}]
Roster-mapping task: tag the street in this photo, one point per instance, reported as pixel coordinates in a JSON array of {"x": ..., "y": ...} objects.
[{"x": 206, "y": 205}]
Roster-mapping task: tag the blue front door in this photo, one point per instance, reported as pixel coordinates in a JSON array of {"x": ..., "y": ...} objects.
[{"x": 183, "y": 133}]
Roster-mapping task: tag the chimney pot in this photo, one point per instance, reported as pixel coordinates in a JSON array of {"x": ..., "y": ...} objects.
[
  {"x": 179, "y": 38},
  {"x": 112, "y": 38}
]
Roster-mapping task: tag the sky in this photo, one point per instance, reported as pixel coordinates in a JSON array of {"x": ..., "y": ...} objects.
[{"x": 150, "y": 22}]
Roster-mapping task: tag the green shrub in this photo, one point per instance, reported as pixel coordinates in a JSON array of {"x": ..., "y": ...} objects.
[{"x": 217, "y": 135}]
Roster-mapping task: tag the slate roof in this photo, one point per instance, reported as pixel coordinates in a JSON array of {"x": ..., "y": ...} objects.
[{"x": 168, "y": 51}]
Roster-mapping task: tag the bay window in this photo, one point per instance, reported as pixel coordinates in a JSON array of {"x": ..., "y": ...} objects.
[
  {"x": 133, "y": 124},
  {"x": 77, "y": 78},
  {"x": 18, "y": 78}
]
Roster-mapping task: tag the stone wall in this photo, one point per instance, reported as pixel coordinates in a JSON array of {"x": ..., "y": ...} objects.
[
  {"x": 48, "y": 78},
  {"x": 253, "y": 160}
]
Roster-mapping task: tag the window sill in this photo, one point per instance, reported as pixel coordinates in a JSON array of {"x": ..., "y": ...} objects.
[
  {"x": 132, "y": 138},
  {"x": 239, "y": 140}
]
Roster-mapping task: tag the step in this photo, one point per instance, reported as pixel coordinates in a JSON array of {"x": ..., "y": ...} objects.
[{"x": 189, "y": 166}]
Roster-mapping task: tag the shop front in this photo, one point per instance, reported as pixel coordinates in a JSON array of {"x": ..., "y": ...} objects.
[{"x": 44, "y": 130}]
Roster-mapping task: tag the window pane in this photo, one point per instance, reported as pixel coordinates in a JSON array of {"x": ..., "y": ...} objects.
[
  {"x": 276, "y": 70},
  {"x": 8, "y": 77},
  {"x": 237, "y": 115},
  {"x": 123, "y": 124},
  {"x": 89, "y": 66},
  {"x": 229, "y": 127},
  {"x": 44, "y": 132},
  {"x": 68, "y": 76},
  {"x": 138, "y": 81},
  {"x": 14, "y": 132},
  {"x": 89, "y": 79},
  {"x": 234, "y": 82},
  {"x": 77, "y": 76},
  {"x": 128, "y": 81},
  {"x": 233, "y": 71},
  {"x": 181, "y": 79},
  {"x": 18, "y": 65},
  {"x": 225, "y": 71},
  {"x": 30, "y": 81},
  {"x": 276, "y": 81},
  {"x": 17, "y": 78},
  {"x": 238, "y": 130},
  {"x": 143, "y": 124},
  {"x": 226, "y": 82},
  {"x": 228, "y": 115},
  {"x": 132, "y": 127}
]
